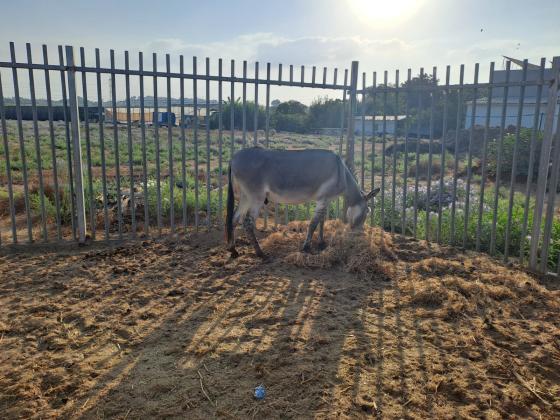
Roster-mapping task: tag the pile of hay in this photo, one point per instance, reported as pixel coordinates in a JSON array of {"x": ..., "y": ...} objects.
[{"x": 366, "y": 253}]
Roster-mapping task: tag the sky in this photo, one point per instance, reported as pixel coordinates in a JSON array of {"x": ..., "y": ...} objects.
[{"x": 381, "y": 35}]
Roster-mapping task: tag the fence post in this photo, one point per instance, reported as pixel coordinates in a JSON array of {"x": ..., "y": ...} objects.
[
  {"x": 351, "y": 109},
  {"x": 544, "y": 163},
  {"x": 76, "y": 144}
]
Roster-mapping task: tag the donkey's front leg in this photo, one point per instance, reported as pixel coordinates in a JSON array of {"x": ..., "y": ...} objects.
[
  {"x": 318, "y": 217},
  {"x": 249, "y": 225}
]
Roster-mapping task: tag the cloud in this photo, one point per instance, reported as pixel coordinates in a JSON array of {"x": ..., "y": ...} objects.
[{"x": 308, "y": 51}]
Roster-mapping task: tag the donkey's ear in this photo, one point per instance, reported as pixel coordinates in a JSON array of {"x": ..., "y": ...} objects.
[{"x": 372, "y": 194}]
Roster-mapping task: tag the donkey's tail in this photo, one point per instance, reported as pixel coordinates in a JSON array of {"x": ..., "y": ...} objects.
[{"x": 230, "y": 209}]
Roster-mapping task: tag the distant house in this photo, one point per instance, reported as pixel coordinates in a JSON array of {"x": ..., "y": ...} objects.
[
  {"x": 513, "y": 98},
  {"x": 375, "y": 125}
]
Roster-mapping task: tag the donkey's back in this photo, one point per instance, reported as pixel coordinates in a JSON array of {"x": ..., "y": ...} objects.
[{"x": 288, "y": 176}]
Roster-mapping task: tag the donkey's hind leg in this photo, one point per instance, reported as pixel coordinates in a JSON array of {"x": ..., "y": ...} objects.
[
  {"x": 239, "y": 214},
  {"x": 321, "y": 244},
  {"x": 249, "y": 225}
]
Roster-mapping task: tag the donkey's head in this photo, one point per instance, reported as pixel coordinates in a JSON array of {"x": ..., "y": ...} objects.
[{"x": 356, "y": 214}]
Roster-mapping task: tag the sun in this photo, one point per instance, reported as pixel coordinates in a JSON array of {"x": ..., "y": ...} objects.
[{"x": 376, "y": 12}]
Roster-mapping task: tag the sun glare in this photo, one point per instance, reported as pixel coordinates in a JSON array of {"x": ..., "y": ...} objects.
[{"x": 384, "y": 11}]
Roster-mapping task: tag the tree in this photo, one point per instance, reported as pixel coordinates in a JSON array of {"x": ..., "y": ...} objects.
[
  {"x": 326, "y": 113},
  {"x": 291, "y": 116},
  {"x": 238, "y": 116},
  {"x": 291, "y": 107}
]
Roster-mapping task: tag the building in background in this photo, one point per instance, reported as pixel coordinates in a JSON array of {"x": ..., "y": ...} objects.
[
  {"x": 530, "y": 110},
  {"x": 373, "y": 125}
]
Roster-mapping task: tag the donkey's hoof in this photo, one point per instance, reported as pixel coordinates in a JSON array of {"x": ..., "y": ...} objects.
[
  {"x": 306, "y": 248},
  {"x": 265, "y": 258},
  {"x": 322, "y": 245},
  {"x": 234, "y": 254}
]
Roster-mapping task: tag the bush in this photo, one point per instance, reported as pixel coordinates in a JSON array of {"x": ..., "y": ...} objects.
[
  {"x": 453, "y": 232},
  {"x": 423, "y": 165},
  {"x": 523, "y": 154},
  {"x": 295, "y": 123}
]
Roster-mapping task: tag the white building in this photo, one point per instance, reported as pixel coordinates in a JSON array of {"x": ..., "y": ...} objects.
[
  {"x": 374, "y": 124},
  {"x": 529, "y": 111}
]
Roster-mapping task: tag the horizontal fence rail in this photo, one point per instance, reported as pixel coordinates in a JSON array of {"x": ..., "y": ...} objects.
[{"x": 95, "y": 147}]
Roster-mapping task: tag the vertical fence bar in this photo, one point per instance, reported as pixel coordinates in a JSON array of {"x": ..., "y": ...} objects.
[
  {"x": 350, "y": 133},
  {"x": 499, "y": 162},
  {"x": 129, "y": 141},
  {"x": 544, "y": 163},
  {"x": 256, "y": 106},
  {"x": 430, "y": 155},
  {"x": 443, "y": 152},
  {"x": 77, "y": 146},
  {"x": 456, "y": 153},
  {"x": 220, "y": 145},
  {"x": 552, "y": 192},
  {"x": 373, "y": 141},
  {"x": 363, "y": 130},
  {"x": 232, "y": 110},
  {"x": 183, "y": 144},
  {"x": 291, "y": 73},
  {"x": 313, "y": 71},
  {"x": 143, "y": 141},
  {"x": 155, "y": 123},
  {"x": 23, "y": 156},
  {"x": 341, "y": 140},
  {"x": 325, "y": 76},
  {"x": 116, "y": 144},
  {"x": 514, "y": 161},
  {"x": 195, "y": 140},
  {"x": 530, "y": 175},
  {"x": 267, "y": 109},
  {"x": 53, "y": 144},
  {"x": 8, "y": 164},
  {"x": 417, "y": 161},
  {"x": 37, "y": 144},
  {"x": 276, "y": 205},
  {"x": 244, "y": 114},
  {"x": 67, "y": 133},
  {"x": 302, "y": 74},
  {"x": 383, "y": 149},
  {"x": 102, "y": 144},
  {"x": 88, "y": 145},
  {"x": 267, "y": 128},
  {"x": 171, "y": 178},
  {"x": 394, "y": 179},
  {"x": 405, "y": 170},
  {"x": 469, "y": 159},
  {"x": 208, "y": 155},
  {"x": 485, "y": 157}
]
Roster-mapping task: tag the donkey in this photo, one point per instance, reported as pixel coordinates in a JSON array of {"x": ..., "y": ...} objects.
[{"x": 290, "y": 177}]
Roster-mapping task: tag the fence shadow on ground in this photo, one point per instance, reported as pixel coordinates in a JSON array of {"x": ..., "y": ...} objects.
[{"x": 173, "y": 329}]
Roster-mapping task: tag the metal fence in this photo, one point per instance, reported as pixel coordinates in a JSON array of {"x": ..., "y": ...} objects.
[{"x": 450, "y": 168}]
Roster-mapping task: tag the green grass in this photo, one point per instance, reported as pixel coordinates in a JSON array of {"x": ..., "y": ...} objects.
[{"x": 449, "y": 233}]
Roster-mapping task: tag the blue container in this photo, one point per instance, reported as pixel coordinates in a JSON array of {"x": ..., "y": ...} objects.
[{"x": 163, "y": 117}]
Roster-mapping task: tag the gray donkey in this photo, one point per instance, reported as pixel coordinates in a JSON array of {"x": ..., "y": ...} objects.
[{"x": 290, "y": 177}]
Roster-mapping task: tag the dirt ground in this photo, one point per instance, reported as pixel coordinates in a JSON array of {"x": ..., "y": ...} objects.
[{"x": 373, "y": 326}]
